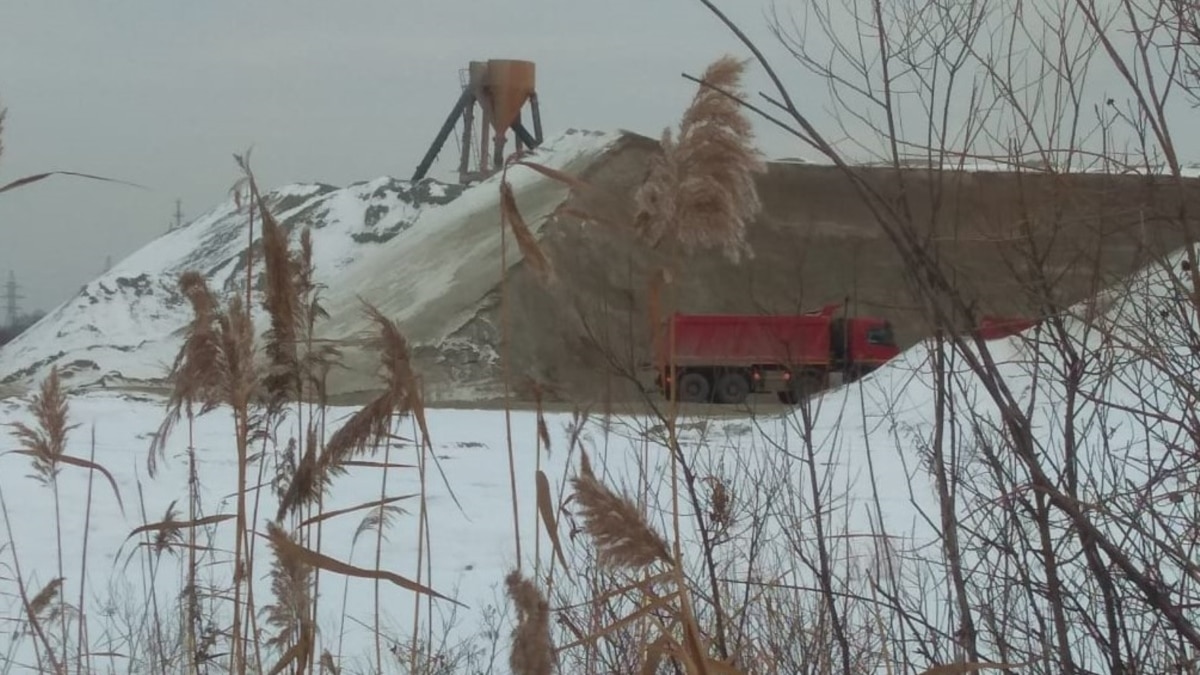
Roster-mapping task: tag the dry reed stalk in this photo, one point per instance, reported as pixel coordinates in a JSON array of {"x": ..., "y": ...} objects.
[
  {"x": 545, "y": 509},
  {"x": 420, "y": 432},
  {"x": 168, "y": 529},
  {"x": 236, "y": 361},
  {"x": 373, "y": 504},
  {"x": 46, "y": 445},
  {"x": 527, "y": 242},
  {"x": 974, "y": 667},
  {"x": 321, "y": 561},
  {"x": 543, "y": 431},
  {"x": 383, "y": 476},
  {"x": 621, "y": 534},
  {"x": 371, "y": 424},
  {"x": 27, "y": 605},
  {"x": 28, "y": 180},
  {"x": 655, "y": 651},
  {"x": 543, "y": 492},
  {"x": 508, "y": 209},
  {"x": 314, "y": 438},
  {"x": 366, "y": 428},
  {"x": 532, "y": 652},
  {"x": 292, "y": 305},
  {"x": 537, "y": 260},
  {"x": 83, "y": 655},
  {"x": 700, "y": 190},
  {"x": 190, "y": 595}
]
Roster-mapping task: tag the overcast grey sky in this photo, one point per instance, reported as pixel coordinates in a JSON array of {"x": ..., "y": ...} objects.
[{"x": 162, "y": 93}]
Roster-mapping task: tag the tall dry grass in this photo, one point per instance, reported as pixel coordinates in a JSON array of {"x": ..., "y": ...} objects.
[{"x": 267, "y": 386}]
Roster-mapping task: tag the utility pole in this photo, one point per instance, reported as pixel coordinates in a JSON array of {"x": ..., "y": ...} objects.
[
  {"x": 107, "y": 263},
  {"x": 178, "y": 213},
  {"x": 12, "y": 296}
]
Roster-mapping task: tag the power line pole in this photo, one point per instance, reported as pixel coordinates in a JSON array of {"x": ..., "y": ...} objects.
[
  {"x": 12, "y": 297},
  {"x": 178, "y": 213}
]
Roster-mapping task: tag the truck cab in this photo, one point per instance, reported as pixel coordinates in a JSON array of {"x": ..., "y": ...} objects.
[{"x": 862, "y": 344}]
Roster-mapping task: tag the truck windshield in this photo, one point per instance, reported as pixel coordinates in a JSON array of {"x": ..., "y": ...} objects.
[{"x": 881, "y": 335}]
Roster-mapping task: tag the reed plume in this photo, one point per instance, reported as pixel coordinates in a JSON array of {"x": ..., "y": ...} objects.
[
  {"x": 328, "y": 665},
  {"x": 169, "y": 534},
  {"x": 195, "y": 377},
  {"x": 46, "y": 444},
  {"x": 620, "y": 532},
  {"x": 308, "y": 482},
  {"x": 281, "y": 300},
  {"x": 40, "y": 603},
  {"x": 291, "y": 579},
  {"x": 532, "y": 652},
  {"x": 239, "y": 373},
  {"x": 700, "y": 190},
  {"x": 317, "y": 358},
  {"x": 284, "y": 274}
]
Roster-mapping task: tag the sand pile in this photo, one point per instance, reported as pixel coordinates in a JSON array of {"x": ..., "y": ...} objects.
[
  {"x": 815, "y": 243},
  {"x": 429, "y": 256}
]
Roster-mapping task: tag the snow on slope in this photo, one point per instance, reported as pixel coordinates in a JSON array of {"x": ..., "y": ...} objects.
[
  {"x": 420, "y": 251},
  {"x": 124, "y": 324}
]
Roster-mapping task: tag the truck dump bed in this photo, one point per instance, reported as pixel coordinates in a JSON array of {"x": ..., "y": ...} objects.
[{"x": 740, "y": 340}]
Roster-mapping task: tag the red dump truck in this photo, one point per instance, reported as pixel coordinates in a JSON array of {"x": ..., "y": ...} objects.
[
  {"x": 724, "y": 358},
  {"x": 997, "y": 327}
]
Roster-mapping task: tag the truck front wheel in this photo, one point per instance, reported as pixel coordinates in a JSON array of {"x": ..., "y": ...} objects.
[
  {"x": 733, "y": 388},
  {"x": 694, "y": 388}
]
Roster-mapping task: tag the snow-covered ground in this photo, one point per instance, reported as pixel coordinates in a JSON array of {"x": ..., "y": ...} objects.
[
  {"x": 870, "y": 456},
  {"x": 472, "y": 548}
]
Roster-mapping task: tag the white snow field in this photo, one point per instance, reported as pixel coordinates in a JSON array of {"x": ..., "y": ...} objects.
[
  {"x": 472, "y": 548},
  {"x": 424, "y": 253},
  {"x": 867, "y": 465}
]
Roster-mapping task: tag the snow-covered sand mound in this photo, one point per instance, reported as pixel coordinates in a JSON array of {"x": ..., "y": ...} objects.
[{"x": 426, "y": 253}]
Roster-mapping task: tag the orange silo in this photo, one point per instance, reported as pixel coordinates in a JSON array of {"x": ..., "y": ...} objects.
[
  {"x": 510, "y": 84},
  {"x": 501, "y": 88}
]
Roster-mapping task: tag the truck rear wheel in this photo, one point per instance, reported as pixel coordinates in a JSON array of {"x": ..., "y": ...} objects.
[
  {"x": 857, "y": 372},
  {"x": 733, "y": 388},
  {"x": 801, "y": 386},
  {"x": 694, "y": 388}
]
